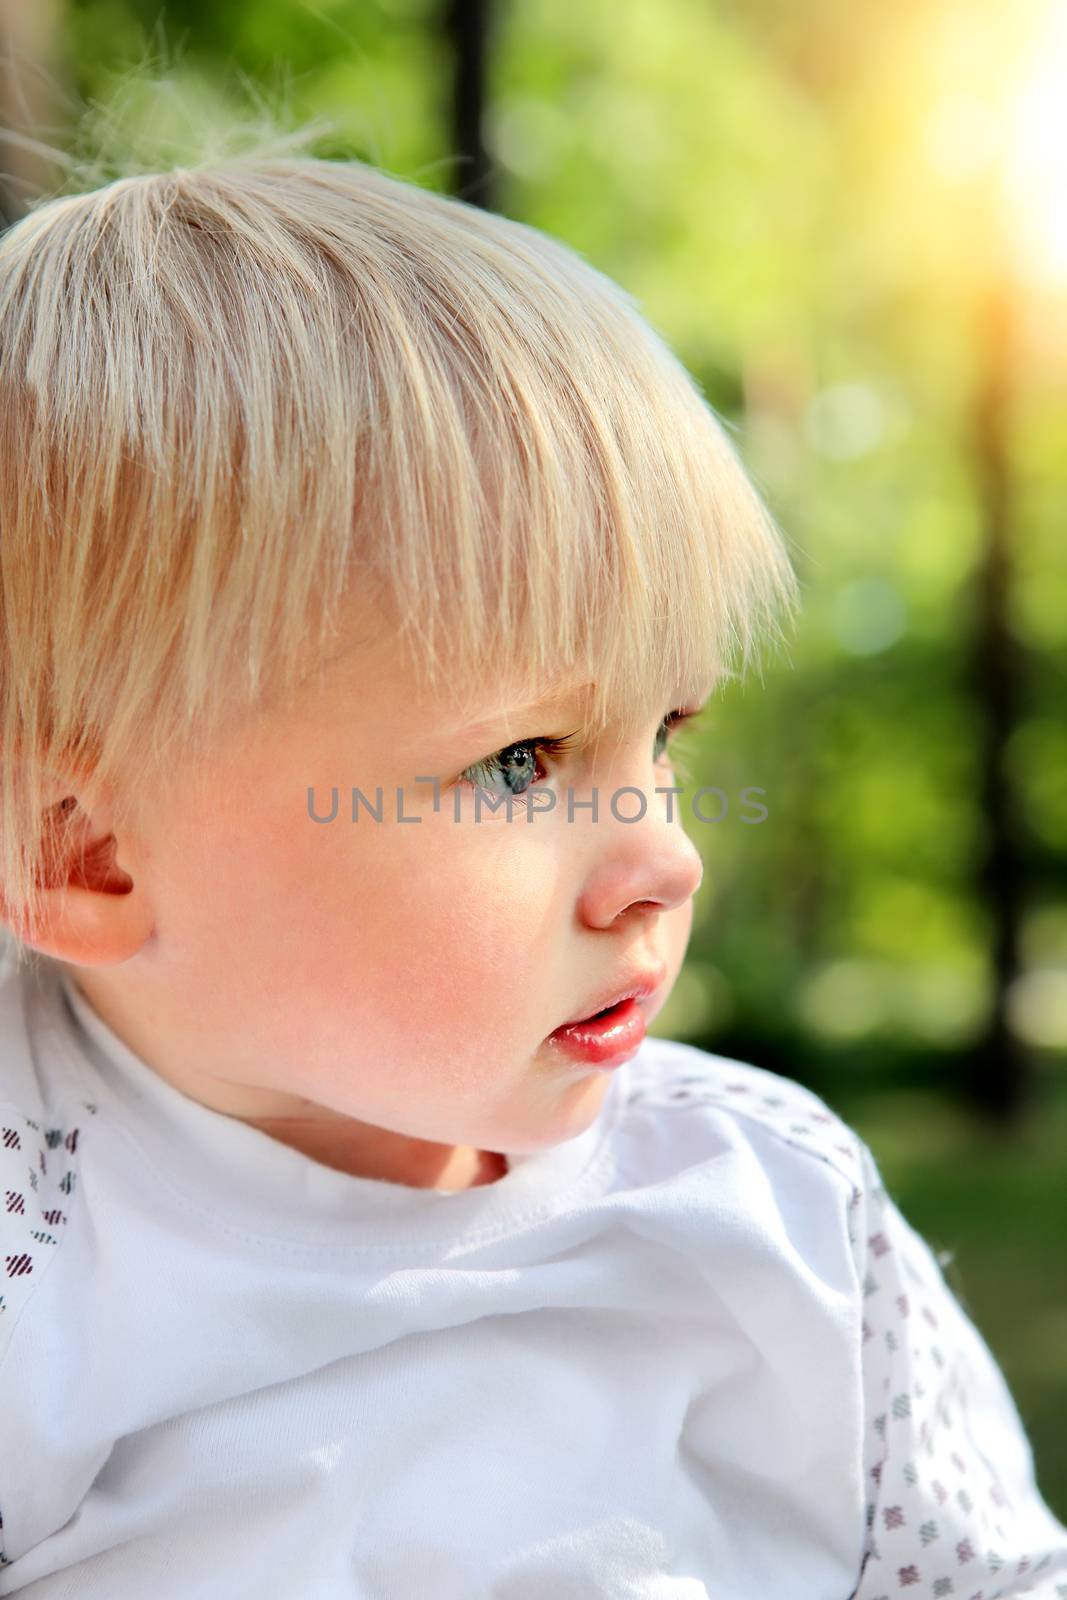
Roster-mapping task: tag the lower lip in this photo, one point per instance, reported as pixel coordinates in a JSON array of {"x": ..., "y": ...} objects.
[{"x": 605, "y": 1041}]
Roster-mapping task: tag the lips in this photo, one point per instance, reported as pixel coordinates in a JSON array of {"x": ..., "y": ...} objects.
[{"x": 638, "y": 987}]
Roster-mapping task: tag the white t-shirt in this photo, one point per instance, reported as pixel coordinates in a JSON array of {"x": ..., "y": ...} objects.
[{"x": 695, "y": 1353}]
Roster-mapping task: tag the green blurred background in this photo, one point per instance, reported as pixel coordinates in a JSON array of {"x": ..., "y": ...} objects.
[{"x": 851, "y": 224}]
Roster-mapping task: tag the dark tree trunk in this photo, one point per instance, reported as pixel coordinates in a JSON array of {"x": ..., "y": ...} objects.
[
  {"x": 466, "y": 26},
  {"x": 1000, "y": 1078}
]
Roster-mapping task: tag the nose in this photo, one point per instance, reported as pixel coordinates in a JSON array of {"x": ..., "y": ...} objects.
[{"x": 644, "y": 866}]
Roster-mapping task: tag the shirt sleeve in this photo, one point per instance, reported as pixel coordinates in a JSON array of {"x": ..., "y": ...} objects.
[{"x": 953, "y": 1508}]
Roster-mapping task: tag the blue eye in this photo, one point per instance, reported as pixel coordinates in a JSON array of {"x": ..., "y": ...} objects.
[{"x": 517, "y": 764}]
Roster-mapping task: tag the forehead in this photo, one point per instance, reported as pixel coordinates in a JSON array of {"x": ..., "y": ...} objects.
[
  {"x": 369, "y": 678},
  {"x": 369, "y": 663}
]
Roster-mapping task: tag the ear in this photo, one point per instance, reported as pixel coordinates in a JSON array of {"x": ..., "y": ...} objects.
[{"x": 94, "y": 912}]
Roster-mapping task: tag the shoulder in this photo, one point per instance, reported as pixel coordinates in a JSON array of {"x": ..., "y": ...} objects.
[
  {"x": 36, "y": 1182},
  {"x": 765, "y": 1109},
  {"x": 38, "y": 1160},
  {"x": 755, "y": 1180}
]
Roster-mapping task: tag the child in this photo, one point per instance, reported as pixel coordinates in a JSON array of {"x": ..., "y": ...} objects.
[{"x": 361, "y": 552}]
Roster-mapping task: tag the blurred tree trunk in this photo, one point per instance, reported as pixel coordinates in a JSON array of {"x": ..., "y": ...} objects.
[
  {"x": 1000, "y": 1078},
  {"x": 29, "y": 98},
  {"x": 467, "y": 29}
]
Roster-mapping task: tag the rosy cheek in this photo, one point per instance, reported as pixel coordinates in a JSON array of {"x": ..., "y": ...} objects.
[{"x": 683, "y": 927}]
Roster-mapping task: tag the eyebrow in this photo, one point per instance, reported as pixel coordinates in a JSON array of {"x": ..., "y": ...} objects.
[{"x": 555, "y": 703}]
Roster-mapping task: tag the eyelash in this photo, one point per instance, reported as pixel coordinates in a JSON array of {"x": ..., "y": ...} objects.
[{"x": 554, "y": 748}]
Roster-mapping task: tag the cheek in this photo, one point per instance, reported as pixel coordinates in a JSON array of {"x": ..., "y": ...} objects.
[
  {"x": 679, "y": 926},
  {"x": 407, "y": 932},
  {"x": 467, "y": 915}
]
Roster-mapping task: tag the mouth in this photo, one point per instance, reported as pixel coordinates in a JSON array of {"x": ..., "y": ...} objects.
[
  {"x": 611, "y": 1034},
  {"x": 606, "y": 1039},
  {"x": 641, "y": 987},
  {"x": 608, "y": 1011}
]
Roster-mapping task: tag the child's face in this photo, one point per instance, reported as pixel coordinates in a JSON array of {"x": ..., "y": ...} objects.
[{"x": 362, "y": 988}]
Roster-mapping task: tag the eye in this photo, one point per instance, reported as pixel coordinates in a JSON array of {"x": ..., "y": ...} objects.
[
  {"x": 516, "y": 764},
  {"x": 670, "y": 723}
]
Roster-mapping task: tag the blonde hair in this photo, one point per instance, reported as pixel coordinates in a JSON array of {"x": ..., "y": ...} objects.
[{"x": 236, "y": 395}]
